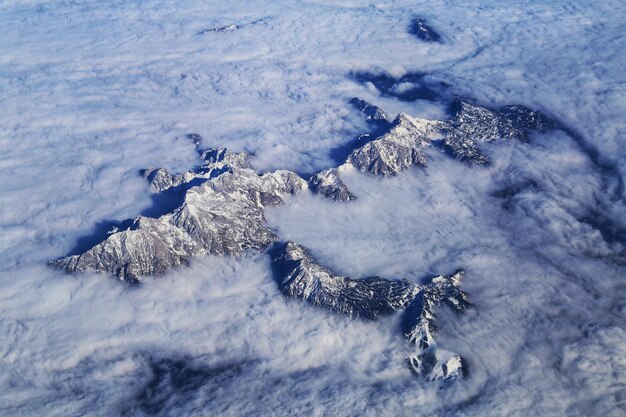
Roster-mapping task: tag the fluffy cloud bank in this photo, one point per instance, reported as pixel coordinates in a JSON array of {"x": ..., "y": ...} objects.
[{"x": 94, "y": 92}]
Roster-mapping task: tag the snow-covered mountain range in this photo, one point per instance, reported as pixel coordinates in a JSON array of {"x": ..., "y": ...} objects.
[{"x": 288, "y": 187}]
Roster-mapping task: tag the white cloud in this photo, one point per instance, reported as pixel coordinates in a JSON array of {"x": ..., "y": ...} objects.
[{"x": 93, "y": 92}]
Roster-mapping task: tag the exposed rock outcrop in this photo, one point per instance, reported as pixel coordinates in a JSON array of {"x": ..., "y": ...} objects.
[
  {"x": 221, "y": 29},
  {"x": 423, "y": 31},
  {"x": 371, "y": 112},
  {"x": 299, "y": 276},
  {"x": 328, "y": 184},
  {"x": 221, "y": 216},
  {"x": 419, "y": 327},
  {"x": 399, "y": 148},
  {"x": 472, "y": 124}
]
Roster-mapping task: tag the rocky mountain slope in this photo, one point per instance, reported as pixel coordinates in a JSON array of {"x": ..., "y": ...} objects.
[
  {"x": 221, "y": 216},
  {"x": 399, "y": 148},
  {"x": 299, "y": 276}
]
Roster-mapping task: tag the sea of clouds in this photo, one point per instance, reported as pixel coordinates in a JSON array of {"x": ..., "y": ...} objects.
[{"x": 91, "y": 92}]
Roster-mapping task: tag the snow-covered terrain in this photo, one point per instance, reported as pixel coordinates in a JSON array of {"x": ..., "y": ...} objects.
[{"x": 93, "y": 92}]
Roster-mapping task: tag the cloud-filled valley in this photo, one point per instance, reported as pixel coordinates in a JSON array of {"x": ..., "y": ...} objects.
[{"x": 92, "y": 93}]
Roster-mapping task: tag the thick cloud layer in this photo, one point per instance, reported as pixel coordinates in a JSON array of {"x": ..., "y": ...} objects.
[{"x": 91, "y": 92}]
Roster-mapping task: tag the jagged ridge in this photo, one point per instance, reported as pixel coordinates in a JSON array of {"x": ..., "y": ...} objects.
[
  {"x": 404, "y": 142},
  {"x": 371, "y": 112},
  {"x": 329, "y": 184},
  {"x": 473, "y": 124},
  {"x": 400, "y": 147},
  {"x": 221, "y": 216},
  {"x": 300, "y": 276}
]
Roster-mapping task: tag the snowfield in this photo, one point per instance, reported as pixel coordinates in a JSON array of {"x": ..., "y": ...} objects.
[{"x": 92, "y": 92}]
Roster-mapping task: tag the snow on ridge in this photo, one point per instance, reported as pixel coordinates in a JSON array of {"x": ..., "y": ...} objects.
[{"x": 92, "y": 92}]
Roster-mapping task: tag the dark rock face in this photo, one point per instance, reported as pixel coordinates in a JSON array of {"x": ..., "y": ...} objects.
[
  {"x": 328, "y": 184},
  {"x": 300, "y": 277},
  {"x": 225, "y": 157},
  {"x": 482, "y": 124},
  {"x": 423, "y": 31}
]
